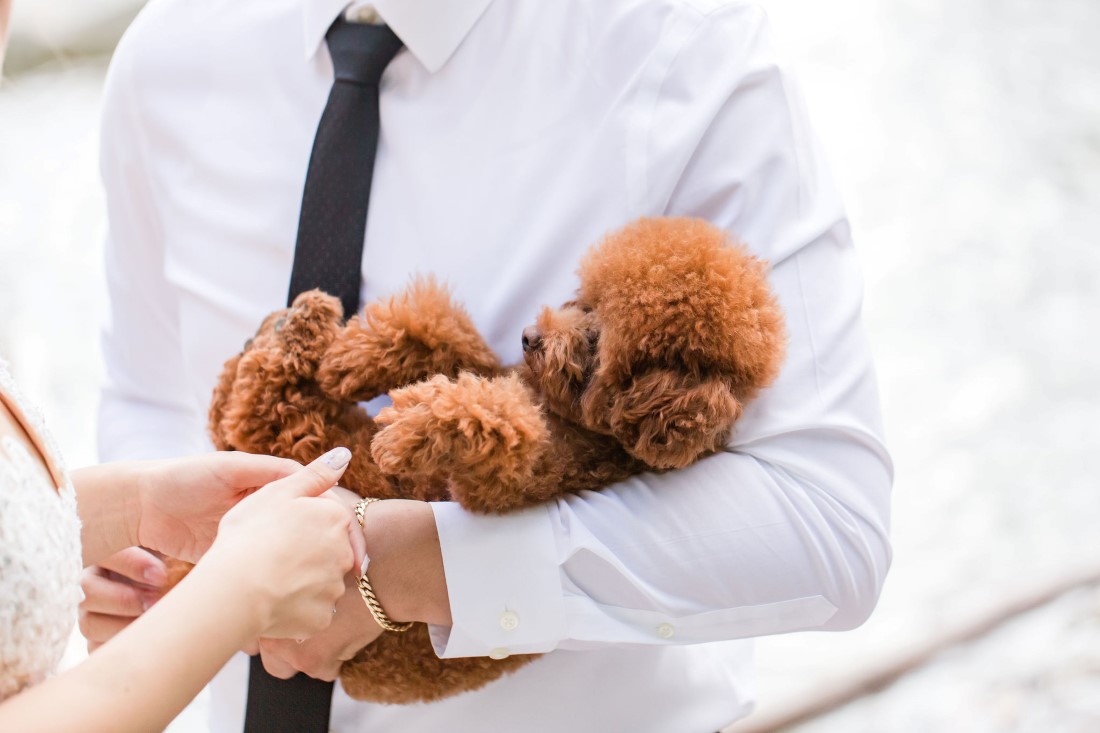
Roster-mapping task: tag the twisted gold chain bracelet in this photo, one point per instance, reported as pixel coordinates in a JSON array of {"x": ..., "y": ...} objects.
[{"x": 365, "y": 589}]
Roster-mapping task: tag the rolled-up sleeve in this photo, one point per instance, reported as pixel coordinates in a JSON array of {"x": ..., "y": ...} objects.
[{"x": 786, "y": 529}]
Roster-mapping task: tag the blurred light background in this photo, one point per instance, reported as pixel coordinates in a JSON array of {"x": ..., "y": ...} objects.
[{"x": 966, "y": 135}]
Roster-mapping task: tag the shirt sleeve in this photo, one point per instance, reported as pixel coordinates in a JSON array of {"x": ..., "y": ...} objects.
[
  {"x": 787, "y": 528},
  {"x": 144, "y": 411}
]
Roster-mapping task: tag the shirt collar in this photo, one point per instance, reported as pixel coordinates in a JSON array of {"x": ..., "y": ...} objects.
[{"x": 430, "y": 29}]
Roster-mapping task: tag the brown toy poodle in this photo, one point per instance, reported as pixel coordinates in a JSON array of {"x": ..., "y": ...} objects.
[{"x": 673, "y": 329}]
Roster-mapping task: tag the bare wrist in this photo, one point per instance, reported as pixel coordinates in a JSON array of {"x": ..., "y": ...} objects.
[
  {"x": 109, "y": 502},
  {"x": 406, "y": 565}
]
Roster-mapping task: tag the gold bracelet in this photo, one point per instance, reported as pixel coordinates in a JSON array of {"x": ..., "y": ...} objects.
[{"x": 365, "y": 589}]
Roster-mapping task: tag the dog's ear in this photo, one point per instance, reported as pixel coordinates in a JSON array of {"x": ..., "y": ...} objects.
[{"x": 668, "y": 419}]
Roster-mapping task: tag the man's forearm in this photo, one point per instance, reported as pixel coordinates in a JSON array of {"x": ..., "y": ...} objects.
[{"x": 406, "y": 565}]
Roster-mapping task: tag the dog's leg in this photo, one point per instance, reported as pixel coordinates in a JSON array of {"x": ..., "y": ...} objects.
[
  {"x": 402, "y": 340},
  {"x": 484, "y": 437}
]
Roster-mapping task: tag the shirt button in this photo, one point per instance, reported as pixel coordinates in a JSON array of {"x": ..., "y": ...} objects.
[
  {"x": 509, "y": 620},
  {"x": 664, "y": 631},
  {"x": 499, "y": 653},
  {"x": 365, "y": 14}
]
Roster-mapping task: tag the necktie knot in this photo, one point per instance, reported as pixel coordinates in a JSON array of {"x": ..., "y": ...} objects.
[{"x": 361, "y": 51}]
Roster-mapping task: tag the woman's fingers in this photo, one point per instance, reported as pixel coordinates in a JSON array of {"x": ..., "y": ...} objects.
[
  {"x": 347, "y": 500},
  {"x": 117, "y": 592},
  {"x": 139, "y": 566},
  {"x": 275, "y": 665},
  {"x": 294, "y": 547},
  {"x": 312, "y": 570},
  {"x": 99, "y": 628},
  {"x": 248, "y": 470},
  {"x": 315, "y": 478},
  {"x": 305, "y": 657},
  {"x": 104, "y": 594}
]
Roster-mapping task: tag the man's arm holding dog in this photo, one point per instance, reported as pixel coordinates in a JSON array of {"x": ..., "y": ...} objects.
[{"x": 785, "y": 530}]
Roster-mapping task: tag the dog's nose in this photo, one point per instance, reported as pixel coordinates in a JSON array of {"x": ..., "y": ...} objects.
[{"x": 532, "y": 338}]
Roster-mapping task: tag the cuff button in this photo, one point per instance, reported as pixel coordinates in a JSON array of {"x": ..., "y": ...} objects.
[
  {"x": 509, "y": 620},
  {"x": 499, "y": 653},
  {"x": 664, "y": 631}
]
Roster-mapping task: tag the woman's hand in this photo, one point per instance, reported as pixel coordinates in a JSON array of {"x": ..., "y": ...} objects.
[
  {"x": 406, "y": 572},
  {"x": 117, "y": 591},
  {"x": 172, "y": 506},
  {"x": 289, "y": 549},
  {"x": 181, "y": 501},
  {"x": 321, "y": 655}
]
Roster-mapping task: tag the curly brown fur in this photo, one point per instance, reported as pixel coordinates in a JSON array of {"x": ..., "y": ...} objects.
[
  {"x": 685, "y": 312},
  {"x": 404, "y": 338},
  {"x": 292, "y": 392},
  {"x": 673, "y": 329},
  {"x": 470, "y": 431},
  {"x": 679, "y": 294}
]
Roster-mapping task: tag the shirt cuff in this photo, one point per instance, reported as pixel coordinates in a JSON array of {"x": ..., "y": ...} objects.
[{"x": 503, "y": 582}]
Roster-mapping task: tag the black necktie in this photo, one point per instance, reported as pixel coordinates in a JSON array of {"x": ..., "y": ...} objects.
[
  {"x": 328, "y": 255},
  {"x": 334, "y": 205}
]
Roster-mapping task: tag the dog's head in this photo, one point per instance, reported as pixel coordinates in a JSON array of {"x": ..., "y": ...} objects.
[
  {"x": 673, "y": 329},
  {"x": 268, "y": 378}
]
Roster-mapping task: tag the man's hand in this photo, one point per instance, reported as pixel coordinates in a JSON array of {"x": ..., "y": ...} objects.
[{"x": 321, "y": 655}]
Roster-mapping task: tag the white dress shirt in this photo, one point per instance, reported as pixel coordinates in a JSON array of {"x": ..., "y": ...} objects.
[{"x": 514, "y": 134}]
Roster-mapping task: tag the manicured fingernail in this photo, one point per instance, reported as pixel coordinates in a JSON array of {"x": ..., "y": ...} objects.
[{"x": 336, "y": 458}]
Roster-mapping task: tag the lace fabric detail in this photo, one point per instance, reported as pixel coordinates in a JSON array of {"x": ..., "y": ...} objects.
[{"x": 40, "y": 558}]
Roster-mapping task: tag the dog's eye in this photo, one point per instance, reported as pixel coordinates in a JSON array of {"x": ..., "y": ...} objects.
[
  {"x": 279, "y": 324},
  {"x": 247, "y": 345}
]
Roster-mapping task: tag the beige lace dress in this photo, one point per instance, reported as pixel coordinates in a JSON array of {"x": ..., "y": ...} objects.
[{"x": 39, "y": 546}]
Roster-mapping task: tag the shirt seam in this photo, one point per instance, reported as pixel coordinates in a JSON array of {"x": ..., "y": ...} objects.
[
  {"x": 810, "y": 341},
  {"x": 133, "y": 114},
  {"x": 705, "y": 20},
  {"x": 646, "y": 126}
]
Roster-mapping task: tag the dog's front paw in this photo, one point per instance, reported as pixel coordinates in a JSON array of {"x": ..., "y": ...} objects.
[
  {"x": 468, "y": 429},
  {"x": 409, "y": 446}
]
